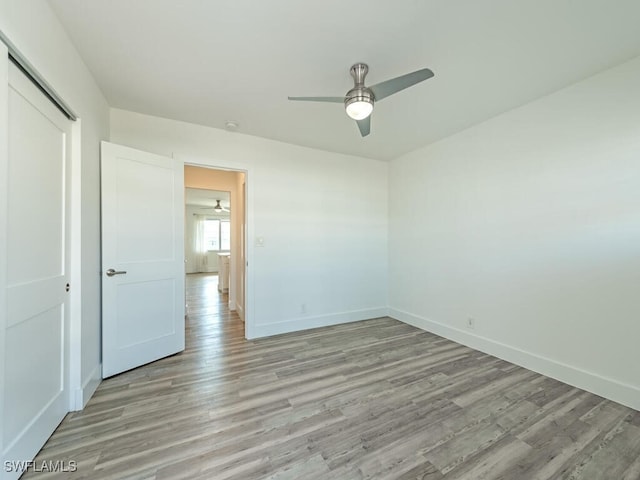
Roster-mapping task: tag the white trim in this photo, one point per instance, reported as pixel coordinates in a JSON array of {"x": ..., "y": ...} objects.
[
  {"x": 249, "y": 298},
  {"x": 240, "y": 311},
  {"x": 75, "y": 274},
  {"x": 306, "y": 323},
  {"x": 82, "y": 395},
  {"x": 4, "y": 181},
  {"x": 625, "y": 394},
  {"x": 248, "y": 211}
]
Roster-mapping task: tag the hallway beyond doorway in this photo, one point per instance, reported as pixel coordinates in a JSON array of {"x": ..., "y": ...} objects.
[{"x": 208, "y": 315}]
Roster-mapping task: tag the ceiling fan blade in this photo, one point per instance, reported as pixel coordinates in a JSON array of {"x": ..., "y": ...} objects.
[
  {"x": 319, "y": 99},
  {"x": 365, "y": 126},
  {"x": 389, "y": 87}
]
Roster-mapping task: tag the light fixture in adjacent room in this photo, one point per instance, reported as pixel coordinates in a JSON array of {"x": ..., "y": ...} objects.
[
  {"x": 231, "y": 126},
  {"x": 218, "y": 207}
]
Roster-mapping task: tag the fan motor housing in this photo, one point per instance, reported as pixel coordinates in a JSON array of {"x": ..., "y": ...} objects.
[
  {"x": 358, "y": 72},
  {"x": 359, "y": 94}
]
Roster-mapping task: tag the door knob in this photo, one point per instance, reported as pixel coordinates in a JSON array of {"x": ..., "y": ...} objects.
[{"x": 111, "y": 272}]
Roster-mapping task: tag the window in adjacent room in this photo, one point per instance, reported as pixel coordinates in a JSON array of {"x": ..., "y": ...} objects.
[{"x": 217, "y": 235}]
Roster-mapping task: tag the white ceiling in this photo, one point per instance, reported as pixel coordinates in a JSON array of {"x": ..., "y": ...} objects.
[
  {"x": 209, "y": 61},
  {"x": 200, "y": 197}
]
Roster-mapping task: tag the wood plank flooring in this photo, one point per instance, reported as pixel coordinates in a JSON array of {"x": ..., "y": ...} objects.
[{"x": 374, "y": 399}]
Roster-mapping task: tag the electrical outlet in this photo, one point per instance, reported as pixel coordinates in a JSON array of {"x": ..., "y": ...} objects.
[{"x": 471, "y": 323}]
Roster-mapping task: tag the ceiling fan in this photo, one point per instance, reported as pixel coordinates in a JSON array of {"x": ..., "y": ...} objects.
[
  {"x": 358, "y": 102},
  {"x": 218, "y": 208}
]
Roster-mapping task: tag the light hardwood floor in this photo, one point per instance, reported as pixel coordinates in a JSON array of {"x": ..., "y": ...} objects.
[{"x": 372, "y": 399}]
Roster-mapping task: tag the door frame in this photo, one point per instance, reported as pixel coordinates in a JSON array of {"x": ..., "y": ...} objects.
[
  {"x": 79, "y": 394},
  {"x": 249, "y": 319},
  {"x": 4, "y": 184}
]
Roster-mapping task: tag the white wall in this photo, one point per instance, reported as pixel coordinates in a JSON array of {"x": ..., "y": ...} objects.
[
  {"x": 33, "y": 28},
  {"x": 323, "y": 217},
  {"x": 530, "y": 224}
]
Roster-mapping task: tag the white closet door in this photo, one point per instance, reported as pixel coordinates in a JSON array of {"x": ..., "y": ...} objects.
[{"x": 34, "y": 248}]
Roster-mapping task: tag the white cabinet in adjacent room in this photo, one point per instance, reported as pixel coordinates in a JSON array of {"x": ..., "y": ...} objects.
[{"x": 223, "y": 272}]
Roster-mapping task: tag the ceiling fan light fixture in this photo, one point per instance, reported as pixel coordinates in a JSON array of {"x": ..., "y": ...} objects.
[
  {"x": 359, "y": 103},
  {"x": 218, "y": 207},
  {"x": 231, "y": 126},
  {"x": 359, "y": 109}
]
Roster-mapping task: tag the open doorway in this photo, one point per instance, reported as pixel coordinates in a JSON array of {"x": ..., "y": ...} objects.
[
  {"x": 215, "y": 247},
  {"x": 208, "y": 233}
]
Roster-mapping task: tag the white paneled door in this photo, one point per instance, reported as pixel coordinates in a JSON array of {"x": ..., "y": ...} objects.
[
  {"x": 142, "y": 258},
  {"x": 34, "y": 249}
]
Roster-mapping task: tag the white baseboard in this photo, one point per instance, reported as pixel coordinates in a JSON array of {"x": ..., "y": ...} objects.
[
  {"x": 82, "y": 395},
  {"x": 308, "y": 322},
  {"x": 240, "y": 311},
  {"x": 623, "y": 393}
]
